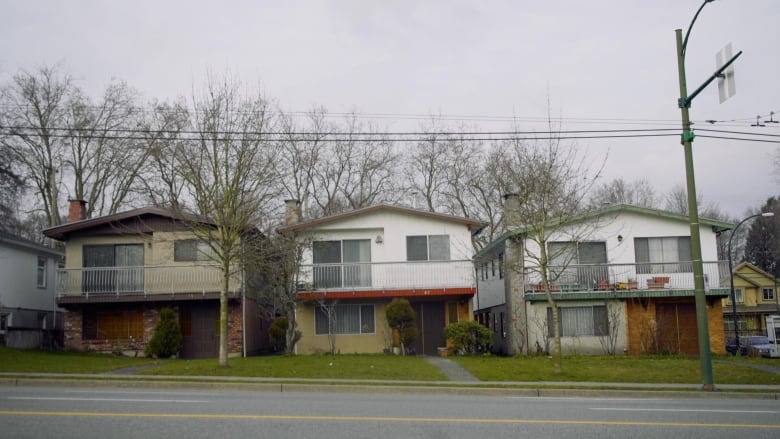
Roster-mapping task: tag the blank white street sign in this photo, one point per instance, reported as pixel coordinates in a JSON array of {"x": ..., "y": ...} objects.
[{"x": 726, "y": 86}]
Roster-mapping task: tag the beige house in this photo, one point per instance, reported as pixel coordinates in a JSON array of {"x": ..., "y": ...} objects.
[
  {"x": 755, "y": 291},
  {"x": 121, "y": 269}
]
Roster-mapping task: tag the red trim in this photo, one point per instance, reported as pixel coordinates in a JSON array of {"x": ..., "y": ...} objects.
[{"x": 366, "y": 294}]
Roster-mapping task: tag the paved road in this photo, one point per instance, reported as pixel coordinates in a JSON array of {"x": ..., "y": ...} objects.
[{"x": 117, "y": 412}]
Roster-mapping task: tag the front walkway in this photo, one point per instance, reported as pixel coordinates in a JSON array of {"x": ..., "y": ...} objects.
[{"x": 452, "y": 370}]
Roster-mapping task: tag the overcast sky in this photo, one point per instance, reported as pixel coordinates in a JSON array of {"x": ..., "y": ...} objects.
[{"x": 603, "y": 64}]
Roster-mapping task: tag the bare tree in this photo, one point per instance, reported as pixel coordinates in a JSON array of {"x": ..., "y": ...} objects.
[
  {"x": 301, "y": 148},
  {"x": 618, "y": 191},
  {"x": 428, "y": 162},
  {"x": 609, "y": 335},
  {"x": 228, "y": 175},
  {"x": 64, "y": 143},
  {"x": 551, "y": 180},
  {"x": 355, "y": 170},
  {"x": 34, "y": 112},
  {"x": 162, "y": 132}
]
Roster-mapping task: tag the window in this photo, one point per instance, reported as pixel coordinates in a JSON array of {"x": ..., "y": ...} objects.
[
  {"x": 580, "y": 320},
  {"x": 3, "y": 323},
  {"x": 500, "y": 265},
  {"x": 664, "y": 254},
  {"x": 428, "y": 248},
  {"x": 493, "y": 268},
  {"x": 738, "y": 295},
  {"x": 115, "y": 268},
  {"x": 41, "y": 272},
  {"x": 187, "y": 250},
  {"x": 342, "y": 264},
  {"x": 344, "y": 319},
  {"x": 588, "y": 258},
  {"x": 112, "y": 325},
  {"x": 768, "y": 293},
  {"x": 452, "y": 312}
]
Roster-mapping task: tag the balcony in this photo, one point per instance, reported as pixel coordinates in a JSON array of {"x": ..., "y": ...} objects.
[
  {"x": 147, "y": 283},
  {"x": 388, "y": 279},
  {"x": 628, "y": 280}
]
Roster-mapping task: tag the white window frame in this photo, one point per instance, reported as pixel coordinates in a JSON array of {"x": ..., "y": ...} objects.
[
  {"x": 40, "y": 271},
  {"x": 319, "y": 313},
  {"x": 768, "y": 293},
  {"x": 429, "y": 247},
  {"x": 739, "y": 295}
]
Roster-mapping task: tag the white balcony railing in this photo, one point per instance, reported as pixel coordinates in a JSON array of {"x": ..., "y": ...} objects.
[
  {"x": 388, "y": 275},
  {"x": 644, "y": 276},
  {"x": 145, "y": 280}
]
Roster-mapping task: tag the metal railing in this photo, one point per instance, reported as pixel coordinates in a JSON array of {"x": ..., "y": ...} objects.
[
  {"x": 387, "y": 275},
  {"x": 102, "y": 281},
  {"x": 644, "y": 276}
]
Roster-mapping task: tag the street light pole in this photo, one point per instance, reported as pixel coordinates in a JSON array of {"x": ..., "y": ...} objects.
[
  {"x": 733, "y": 295},
  {"x": 702, "y": 326}
]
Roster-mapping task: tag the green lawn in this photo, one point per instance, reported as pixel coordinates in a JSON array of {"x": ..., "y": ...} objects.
[
  {"x": 621, "y": 369},
  {"x": 648, "y": 369},
  {"x": 22, "y": 360},
  {"x": 360, "y": 367}
]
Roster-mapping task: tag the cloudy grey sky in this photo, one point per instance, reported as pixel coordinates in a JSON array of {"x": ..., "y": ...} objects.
[{"x": 604, "y": 65}]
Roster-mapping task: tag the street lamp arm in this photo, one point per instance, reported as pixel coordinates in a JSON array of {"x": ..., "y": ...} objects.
[{"x": 690, "y": 26}]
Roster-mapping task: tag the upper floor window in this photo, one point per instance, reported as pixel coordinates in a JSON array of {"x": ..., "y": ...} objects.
[
  {"x": 41, "y": 272},
  {"x": 341, "y": 264},
  {"x": 188, "y": 250},
  {"x": 428, "y": 248},
  {"x": 666, "y": 254},
  {"x": 768, "y": 293},
  {"x": 500, "y": 265},
  {"x": 738, "y": 295}
]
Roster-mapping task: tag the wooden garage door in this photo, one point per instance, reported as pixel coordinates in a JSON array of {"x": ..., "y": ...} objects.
[
  {"x": 677, "y": 328},
  {"x": 199, "y": 325}
]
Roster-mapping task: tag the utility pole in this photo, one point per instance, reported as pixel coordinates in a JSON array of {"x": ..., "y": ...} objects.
[{"x": 702, "y": 326}]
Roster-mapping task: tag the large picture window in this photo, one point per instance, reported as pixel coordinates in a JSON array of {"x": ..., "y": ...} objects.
[
  {"x": 344, "y": 319},
  {"x": 112, "y": 325},
  {"x": 665, "y": 255},
  {"x": 342, "y": 264},
  {"x": 580, "y": 320},
  {"x": 578, "y": 263},
  {"x": 428, "y": 248},
  {"x": 113, "y": 268}
]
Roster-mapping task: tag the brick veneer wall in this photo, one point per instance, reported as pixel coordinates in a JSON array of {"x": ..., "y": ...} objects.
[{"x": 73, "y": 328}]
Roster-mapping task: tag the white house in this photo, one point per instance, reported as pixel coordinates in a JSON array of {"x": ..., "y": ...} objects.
[
  {"x": 621, "y": 276},
  {"x": 29, "y": 316},
  {"x": 360, "y": 260}
]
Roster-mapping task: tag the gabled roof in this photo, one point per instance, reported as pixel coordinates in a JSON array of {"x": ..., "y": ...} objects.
[
  {"x": 62, "y": 232},
  {"x": 739, "y": 272},
  {"x": 717, "y": 226},
  {"x": 474, "y": 225},
  {"x": 18, "y": 241}
]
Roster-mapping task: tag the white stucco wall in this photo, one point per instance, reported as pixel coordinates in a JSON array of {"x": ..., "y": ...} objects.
[{"x": 393, "y": 227}]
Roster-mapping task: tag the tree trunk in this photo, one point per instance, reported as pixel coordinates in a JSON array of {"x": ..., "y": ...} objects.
[{"x": 223, "y": 319}]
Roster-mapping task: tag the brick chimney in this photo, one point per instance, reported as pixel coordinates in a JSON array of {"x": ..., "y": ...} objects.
[
  {"x": 292, "y": 212},
  {"x": 77, "y": 210}
]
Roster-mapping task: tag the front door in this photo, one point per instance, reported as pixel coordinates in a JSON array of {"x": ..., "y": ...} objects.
[
  {"x": 677, "y": 328},
  {"x": 430, "y": 327}
]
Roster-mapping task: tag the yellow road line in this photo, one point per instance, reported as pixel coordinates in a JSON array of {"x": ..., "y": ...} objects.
[{"x": 388, "y": 419}]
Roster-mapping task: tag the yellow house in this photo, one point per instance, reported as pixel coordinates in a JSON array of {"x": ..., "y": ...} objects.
[{"x": 755, "y": 293}]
